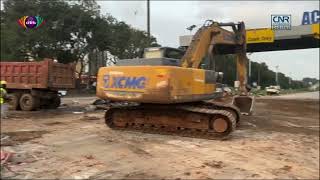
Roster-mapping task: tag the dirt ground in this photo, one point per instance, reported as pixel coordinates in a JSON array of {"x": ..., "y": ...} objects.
[{"x": 280, "y": 140}]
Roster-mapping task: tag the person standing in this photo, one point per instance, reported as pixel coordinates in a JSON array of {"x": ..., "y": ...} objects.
[{"x": 3, "y": 98}]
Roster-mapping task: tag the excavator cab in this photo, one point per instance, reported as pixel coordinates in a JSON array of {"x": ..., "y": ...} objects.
[{"x": 163, "y": 52}]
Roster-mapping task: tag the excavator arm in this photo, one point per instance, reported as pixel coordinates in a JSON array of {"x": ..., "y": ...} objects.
[{"x": 212, "y": 39}]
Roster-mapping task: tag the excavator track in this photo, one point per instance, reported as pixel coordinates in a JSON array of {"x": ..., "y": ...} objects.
[{"x": 201, "y": 119}]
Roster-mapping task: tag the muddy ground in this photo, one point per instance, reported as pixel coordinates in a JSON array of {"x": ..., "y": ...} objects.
[{"x": 281, "y": 140}]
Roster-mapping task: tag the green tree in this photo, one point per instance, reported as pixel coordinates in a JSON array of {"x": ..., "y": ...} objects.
[{"x": 72, "y": 30}]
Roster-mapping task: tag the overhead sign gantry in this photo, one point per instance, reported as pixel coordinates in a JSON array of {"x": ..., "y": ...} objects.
[{"x": 266, "y": 39}]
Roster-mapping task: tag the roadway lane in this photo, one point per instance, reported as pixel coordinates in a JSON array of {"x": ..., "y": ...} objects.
[{"x": 300, "y": 96}]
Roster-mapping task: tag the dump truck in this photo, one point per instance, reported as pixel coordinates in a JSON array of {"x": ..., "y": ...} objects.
[
  {"x": 34, "y": 85},
  {"x": 161, "y": 93}
]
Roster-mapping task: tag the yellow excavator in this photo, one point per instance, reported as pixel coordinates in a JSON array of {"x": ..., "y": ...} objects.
[{"x": 167, "y": 92}]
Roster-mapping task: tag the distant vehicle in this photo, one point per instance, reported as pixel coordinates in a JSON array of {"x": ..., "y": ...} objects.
[
  {"x": 226, "y": 89},
  {"x": 273, "y": 90},
  {"x": 255, "y": 84}
]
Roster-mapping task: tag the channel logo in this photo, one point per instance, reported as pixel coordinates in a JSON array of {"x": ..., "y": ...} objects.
[
  {"x": 281, "y": 22},
  {"x": 31, "y": 22}
]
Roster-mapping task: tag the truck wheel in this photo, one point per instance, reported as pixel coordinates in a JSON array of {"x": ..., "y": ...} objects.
[
  {"x": 29, "y": 102},
  {"x": 14, "y": 101},
  {"x": 53, "y": 103},
  {"x": 56, "y": 102}
]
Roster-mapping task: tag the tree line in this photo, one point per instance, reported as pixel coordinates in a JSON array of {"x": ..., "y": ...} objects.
[
  {"x": 72, "y": 29},
  {"x": 260, "y": 73}
]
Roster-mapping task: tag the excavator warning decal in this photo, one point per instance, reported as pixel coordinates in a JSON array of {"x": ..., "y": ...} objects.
[{"x": 124, "y": 82}]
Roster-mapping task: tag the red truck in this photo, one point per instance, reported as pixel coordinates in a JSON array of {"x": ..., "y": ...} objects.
[{"x": 34, "y": 85}]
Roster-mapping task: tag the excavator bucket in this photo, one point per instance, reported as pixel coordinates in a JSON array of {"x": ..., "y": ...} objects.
[{"x": 244, "y": 103}]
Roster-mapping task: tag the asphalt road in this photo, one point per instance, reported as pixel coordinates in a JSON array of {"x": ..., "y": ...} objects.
[{"x": 304, "y": 95}]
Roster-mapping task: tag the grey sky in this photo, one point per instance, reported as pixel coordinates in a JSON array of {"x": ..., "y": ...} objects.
[{"x": 169, "y": 20}]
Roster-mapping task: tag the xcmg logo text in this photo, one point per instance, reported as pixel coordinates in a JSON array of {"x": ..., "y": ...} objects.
[{"x": 124, "y": 82}]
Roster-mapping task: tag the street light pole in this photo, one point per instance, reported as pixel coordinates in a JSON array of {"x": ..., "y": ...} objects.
[
  {"x": 259, "y": 75},
  {"x": 249, "y": 79},
  {"x": 148, "y": 20},
  {"x": 277, "y": 81},
  {"x": 290, "y": 79}
]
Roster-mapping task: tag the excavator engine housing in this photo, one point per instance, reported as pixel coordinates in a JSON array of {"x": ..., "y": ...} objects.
[{"x": 156, "y": 84}]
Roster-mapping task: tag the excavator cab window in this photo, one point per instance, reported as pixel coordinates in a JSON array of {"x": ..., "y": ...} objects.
[
  {"x": 163, "y": 52},
  {"x": 207, "y": 63},
  {"x": 173, "y": 53}
]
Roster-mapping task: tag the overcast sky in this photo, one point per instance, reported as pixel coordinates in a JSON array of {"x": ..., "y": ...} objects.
[{"x": 169, "y": 20}]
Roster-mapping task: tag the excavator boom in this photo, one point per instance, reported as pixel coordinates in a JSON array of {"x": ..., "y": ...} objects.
[
  {"x": 211, "y": 36},
  {"x": 212, "y": 39}
]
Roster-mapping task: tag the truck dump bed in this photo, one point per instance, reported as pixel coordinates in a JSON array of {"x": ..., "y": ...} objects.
[{"x": 45, "y": 74}]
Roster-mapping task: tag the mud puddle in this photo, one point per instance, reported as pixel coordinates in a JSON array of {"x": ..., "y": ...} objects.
[{"x": 54, "y": 123}]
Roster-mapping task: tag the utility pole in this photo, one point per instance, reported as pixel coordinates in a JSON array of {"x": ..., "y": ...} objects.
[
  {"x": 148, "y": 20},
  {"x": 277, "y": 81},
  {"x": 259, "y": 75},
  {"x": 290, "y": 79},
  {"x": 249, "y": 79}
]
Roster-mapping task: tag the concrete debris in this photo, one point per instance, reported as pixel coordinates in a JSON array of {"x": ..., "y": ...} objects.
[
  {"x": 22, "y": 158},
  {"x": 214, "y": 164},
  {"x": 75, "y": 102},
  {"x": 104, "y": 107},
  {"x": 100, "y": 102},
  {"x": 63, "y": 104},
  {"x": 286, "y": 168},
  {"x": 89, "y": 156},
  {"x": 6, "y": 140},
  {"x": 90, "y": 108},
  {"x": 85, "y": 117},
  {"x": 5, "y": 156}
]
